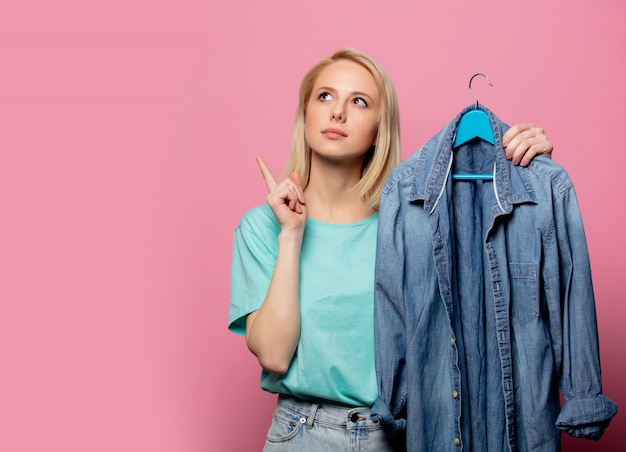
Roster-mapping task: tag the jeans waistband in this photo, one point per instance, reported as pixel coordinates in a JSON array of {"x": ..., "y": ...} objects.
[{"x": 323, "y": 411}]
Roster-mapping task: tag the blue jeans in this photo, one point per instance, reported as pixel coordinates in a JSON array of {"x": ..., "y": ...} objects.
[{"x": 298, "y": 425}]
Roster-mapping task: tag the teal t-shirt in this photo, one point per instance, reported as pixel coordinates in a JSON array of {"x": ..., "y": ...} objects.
[{"x": 334, "y": 359}]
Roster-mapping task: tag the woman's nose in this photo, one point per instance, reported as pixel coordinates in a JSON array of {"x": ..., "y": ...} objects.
[
  {"x": 338, "y": 116},
  {"x": 338, "y": 113}
]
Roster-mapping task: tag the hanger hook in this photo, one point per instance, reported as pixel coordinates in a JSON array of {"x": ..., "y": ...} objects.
[{"x": 470, "y": 86}]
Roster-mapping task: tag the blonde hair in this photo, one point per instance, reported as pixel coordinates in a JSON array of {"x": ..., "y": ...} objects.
[{"x": 381, "y": 158}]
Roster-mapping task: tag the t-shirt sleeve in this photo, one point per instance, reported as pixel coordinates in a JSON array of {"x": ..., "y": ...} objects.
[{"x": 254, "y": 256}]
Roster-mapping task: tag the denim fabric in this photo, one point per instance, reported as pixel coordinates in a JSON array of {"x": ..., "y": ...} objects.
[
  {"x": 484, "y": 304},
  {"x": 309, "y": 426}
]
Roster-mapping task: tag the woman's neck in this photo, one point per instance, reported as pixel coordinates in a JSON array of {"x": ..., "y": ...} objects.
[{"x": 330, "y": 197}]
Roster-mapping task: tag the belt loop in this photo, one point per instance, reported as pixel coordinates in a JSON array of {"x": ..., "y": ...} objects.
[{"x": 309, "y": 422}]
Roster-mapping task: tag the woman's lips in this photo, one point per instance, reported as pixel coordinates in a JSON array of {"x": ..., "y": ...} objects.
[{"x": 330, "y": 132}]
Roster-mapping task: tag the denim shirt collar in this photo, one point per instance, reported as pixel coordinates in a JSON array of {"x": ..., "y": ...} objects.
[{"x": 511, "y": 183}]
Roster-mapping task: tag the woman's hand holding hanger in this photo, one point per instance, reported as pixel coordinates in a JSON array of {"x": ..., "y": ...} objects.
[{"x": 523, "y": 142}]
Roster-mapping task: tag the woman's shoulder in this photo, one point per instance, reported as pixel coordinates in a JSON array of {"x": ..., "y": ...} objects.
[
  {"x": 259, "y": 219},
  {"x": 260, "y": 213}
]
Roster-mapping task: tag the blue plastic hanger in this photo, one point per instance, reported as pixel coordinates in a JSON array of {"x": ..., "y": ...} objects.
[{"x": 474, "y": 124}]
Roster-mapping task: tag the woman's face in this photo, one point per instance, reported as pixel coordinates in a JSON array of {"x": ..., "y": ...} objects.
[{"x": 342, "y": 115}]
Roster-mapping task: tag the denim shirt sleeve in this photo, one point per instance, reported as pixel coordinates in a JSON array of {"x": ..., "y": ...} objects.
[
  {"x": 570, "y": 298},
  {"x": 389, "y": 321}
]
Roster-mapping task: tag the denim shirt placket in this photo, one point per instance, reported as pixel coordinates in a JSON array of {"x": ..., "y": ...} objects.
[
  {"x": 437, "y": 187},
  {"x": 500, "y": 291},
  {"x": 503, "y": 331},
  {"x": 442, "y": 267}
]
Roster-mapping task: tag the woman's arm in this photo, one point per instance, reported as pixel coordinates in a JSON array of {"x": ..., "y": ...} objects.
[
  {"x": 272, "y": 332},
  {"x": 523, "y": 142}
]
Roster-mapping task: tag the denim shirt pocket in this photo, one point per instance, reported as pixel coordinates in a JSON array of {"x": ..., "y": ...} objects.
[{"x": 524, "y": 292}]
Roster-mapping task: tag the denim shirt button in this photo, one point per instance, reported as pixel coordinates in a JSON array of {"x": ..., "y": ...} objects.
[
  {"x": 455, "y": 393},
  {"x": 457, "y": 442},
  {"x": 452, "y": 341}
]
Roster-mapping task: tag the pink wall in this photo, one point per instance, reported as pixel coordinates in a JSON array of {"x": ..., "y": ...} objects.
[{"x": 128, "y": 131}]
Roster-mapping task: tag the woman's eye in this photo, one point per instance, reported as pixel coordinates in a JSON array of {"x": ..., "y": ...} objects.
[
  {"x": 360, "y": 102},
  {"x": 325, "y": 96}
]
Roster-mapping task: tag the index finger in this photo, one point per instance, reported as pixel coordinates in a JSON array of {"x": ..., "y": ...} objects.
[{"x": 270, "y": 182}]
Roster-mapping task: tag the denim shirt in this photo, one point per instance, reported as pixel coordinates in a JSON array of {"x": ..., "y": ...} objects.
[{"x": 484, "y": 304}]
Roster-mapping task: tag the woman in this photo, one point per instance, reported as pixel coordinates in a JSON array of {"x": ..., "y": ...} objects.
[{"x": 303, "y": 263}]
